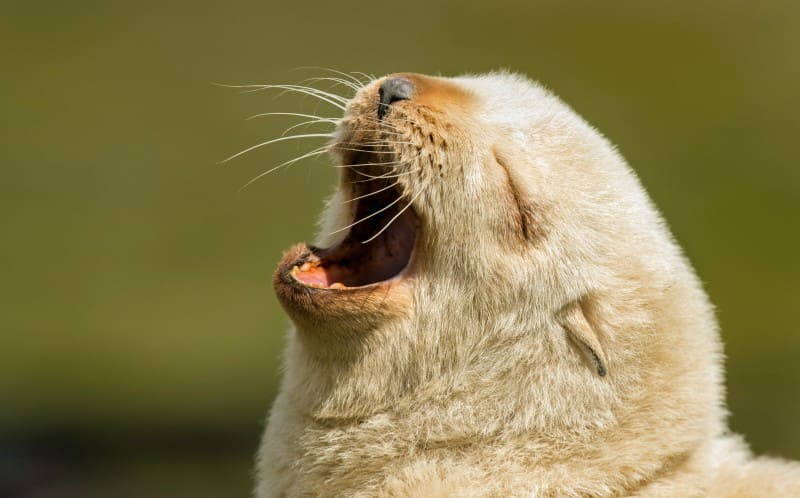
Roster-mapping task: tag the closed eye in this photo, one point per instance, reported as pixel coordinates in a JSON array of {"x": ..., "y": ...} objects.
[{"x": 527, "y": 218}]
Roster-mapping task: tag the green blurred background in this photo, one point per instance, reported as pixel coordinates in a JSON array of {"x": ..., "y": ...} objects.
[{"x": 139, "y": 336}]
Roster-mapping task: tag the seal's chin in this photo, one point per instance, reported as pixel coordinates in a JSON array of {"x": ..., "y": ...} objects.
[{"x": 377, "y": 250}]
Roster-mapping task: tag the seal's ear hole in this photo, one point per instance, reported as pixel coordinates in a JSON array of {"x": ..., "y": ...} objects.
[{"x": 581, "y": 333}]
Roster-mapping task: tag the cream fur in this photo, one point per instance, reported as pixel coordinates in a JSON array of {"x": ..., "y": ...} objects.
[{"x": 486, "y": 382}]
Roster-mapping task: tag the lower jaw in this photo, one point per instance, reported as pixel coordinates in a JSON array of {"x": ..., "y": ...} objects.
[{"x": 331, "y": 309}]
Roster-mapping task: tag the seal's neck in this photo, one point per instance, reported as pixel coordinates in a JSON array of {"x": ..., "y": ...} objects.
[{"x": 525, "y": 399}]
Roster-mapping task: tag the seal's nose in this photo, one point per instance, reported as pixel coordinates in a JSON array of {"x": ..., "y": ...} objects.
[{"x": 392, "y": 90}]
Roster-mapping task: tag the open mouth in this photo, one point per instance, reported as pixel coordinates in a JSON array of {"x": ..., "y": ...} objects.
[{"x": 379, "y": 245}]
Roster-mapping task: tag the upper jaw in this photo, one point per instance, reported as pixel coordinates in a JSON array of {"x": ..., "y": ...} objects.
[{"x": 379, "y": 253}]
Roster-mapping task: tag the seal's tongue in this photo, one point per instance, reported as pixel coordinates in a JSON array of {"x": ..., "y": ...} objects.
[{"x": 312, "y": 275}]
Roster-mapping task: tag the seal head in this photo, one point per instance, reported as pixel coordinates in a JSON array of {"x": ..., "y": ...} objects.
[{"x": 494, "y": 305}]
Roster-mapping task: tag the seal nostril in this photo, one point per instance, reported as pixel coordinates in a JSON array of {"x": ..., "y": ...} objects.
[{"x": 392, "y": 90}]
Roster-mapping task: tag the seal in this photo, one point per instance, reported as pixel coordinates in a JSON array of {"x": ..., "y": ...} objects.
[{"x": 496, "y": 308}]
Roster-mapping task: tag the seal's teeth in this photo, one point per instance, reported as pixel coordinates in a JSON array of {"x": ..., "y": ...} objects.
[
  {"x": 305, "y": 267},
  {"x": 337, "y": 285}
]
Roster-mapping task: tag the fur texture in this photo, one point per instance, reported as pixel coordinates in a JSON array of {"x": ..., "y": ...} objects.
[{"x": 551, "y": 339}]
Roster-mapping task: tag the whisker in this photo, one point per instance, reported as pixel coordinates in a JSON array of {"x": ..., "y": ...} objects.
[
  {"x": 371, "y": 193},
  {"x": 353, "y": 149},
  {"x": 316, "y": 152},
  {"x": 340, "y": 73},
  {"x": 373, "y": 150},
  {"x": 369, "y": 77},
  {"x": 382, "y": 177},
  {"x": 358, "y": 165},
  {"x": 227, "y": 85},
  {"x": 390, "y": 134},
  {"x": 395, "y": 216},
  {"x": 333, "y": 99},
  {"x": 295, "y": 114},
  {"x": 386, "y": 127},
  {"x": 304, "y": 123},
  {"x": 394, "y": 132},
  {"x": 339, "y": 81},
  {"x": 373, "y": 119},
  {"x": 368, "y": 176},
  {"x": 254, "y": 87},
  {"x": 377, "y": 177},
  {"x": 386, "y": 142},
  {"x": 368, "y": 216},
  {"x": 316, "y": 91},
  {"x": 339, "y": 102},
  {"x": 367, "y": 149},
  {"x": 382, "y": 125},
  {"x": 275, "y": 140}
]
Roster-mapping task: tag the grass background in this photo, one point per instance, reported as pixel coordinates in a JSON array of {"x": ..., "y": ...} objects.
[{"x": 139, "y": 336}]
